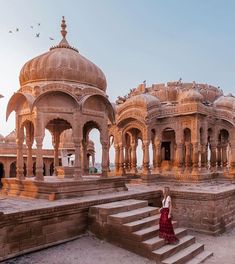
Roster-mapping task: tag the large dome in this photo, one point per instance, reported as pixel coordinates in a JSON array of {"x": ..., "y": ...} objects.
[{"x": 63, "y": 63}]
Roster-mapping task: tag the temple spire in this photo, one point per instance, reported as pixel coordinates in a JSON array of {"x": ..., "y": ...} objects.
[
  {"x": 63, "y": 28},
  {"x": 63, "y": 43}
]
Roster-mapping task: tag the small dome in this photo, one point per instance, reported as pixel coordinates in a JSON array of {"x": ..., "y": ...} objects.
[
  {"x": 225, "y": 102},
  {"x": 11, "y": 138},
  {"x": 190, "y": 96},
  {"x": 144, "y": 99},
  {"x": 63, "y": 63},
  {"x": 66, "y": 141}
]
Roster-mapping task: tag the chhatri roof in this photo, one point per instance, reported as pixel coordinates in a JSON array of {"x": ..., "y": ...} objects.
[{"x": 62, "y": 63}]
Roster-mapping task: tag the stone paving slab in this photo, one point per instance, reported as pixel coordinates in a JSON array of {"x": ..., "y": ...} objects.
[{"x": 19, "y": 204}]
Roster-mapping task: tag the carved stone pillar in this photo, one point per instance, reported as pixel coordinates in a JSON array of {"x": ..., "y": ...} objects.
[
  {"x": 179, "y": 156},
  {"x": 232, "y": 160},
  {"x": 56, "y": 142},
  {"x": 117, "y": 154},
  {"x": 219, "y": 156},
  {"x": 188, "y": 161},
  {"x": 129, "y": 158},
  {"x": 39, "y": 159},
  {"x": 20, "y": 160},
  {"x": 85, "y": 163},
  {"x": 145, "y": 147},
  {"x": 154, "y": 156},
  {"x": 29, "y": 158},
  {"x": 105, "y": 158},
  {"x": 157, "y": 158},
  {"x": 93, "y": 159},
  {"x": 127, "y": 161},
  {"x": 121, "y": 160},
  {"x": 213, "y": 147},
  {"x": 195, "y": 158},
  {"x": 133, "y": 158},
  {"x": 204, "y": 156},
  {"x": 77, "y": 162},
  {"x": 224, "y": 156}
]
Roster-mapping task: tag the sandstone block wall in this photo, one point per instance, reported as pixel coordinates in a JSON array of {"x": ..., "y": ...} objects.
[{"x": 205, "y": 212}]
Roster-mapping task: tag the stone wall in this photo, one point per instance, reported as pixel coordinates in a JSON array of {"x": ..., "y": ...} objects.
[
  {"x": 210, "y": 213},
  {"x": 26, "y": 231}
]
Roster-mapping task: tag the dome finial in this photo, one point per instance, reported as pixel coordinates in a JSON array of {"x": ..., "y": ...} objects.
[
  {"x": 63, "y": 43},
  {"x": 63, "y": 27}
]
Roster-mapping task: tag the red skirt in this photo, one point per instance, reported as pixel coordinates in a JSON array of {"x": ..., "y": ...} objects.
[{"x": 166, "y": 230}]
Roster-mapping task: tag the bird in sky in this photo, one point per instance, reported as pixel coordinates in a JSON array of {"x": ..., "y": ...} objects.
[
  {"x": 10, "y": 31},
  {"x": 51, "y": 38},
  {"x": 17, "y": 29},
  {"x": 39, "y": 24},
  {"x": 31, "y": 27},
  {"x": 37, "y": 35}
]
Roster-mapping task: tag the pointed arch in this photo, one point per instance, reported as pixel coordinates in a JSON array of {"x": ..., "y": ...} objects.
[{"x": 17, "y": 100}]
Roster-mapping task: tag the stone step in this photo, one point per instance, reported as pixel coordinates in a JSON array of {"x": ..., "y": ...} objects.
[
  {"x": 103, "y": 210},
  {"x": 201, "y": 257},
  {"x": 185, "y": 254},
  {"x": 149, "y": 232},
  {"x": 168, "y": 250},
  {"x": 157, "y": 242},
  {"x": 133, "y": 215},
  {"x": 145, "y": 222}
]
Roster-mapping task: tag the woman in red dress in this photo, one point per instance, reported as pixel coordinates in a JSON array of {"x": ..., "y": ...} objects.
[{"x": 166, "y": 230}]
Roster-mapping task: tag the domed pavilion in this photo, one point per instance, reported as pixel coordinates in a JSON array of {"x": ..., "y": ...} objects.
[
  {"x": 187, "y": 129},
  {"x": 60, "y": 90}
]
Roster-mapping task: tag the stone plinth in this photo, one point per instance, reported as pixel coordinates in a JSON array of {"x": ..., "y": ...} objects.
[
  {"x": 53, "y": 188},
  {"x": 207, "y": 209},
  {"x": 65, "y": 172}
]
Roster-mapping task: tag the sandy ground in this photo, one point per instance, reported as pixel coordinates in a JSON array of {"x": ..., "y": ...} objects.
[
  {"x": 90, "y": 250},
  {"x": 223, "y": 247},
  {"x": 85, "y": 250}
]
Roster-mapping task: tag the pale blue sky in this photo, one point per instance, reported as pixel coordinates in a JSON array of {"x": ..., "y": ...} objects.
[{"x": 130, "y": 40}]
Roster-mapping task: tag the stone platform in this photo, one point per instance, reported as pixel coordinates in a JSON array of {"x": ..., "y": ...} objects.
[
  {"x": 27, "y": 224},
  {"x": 53, "y": 188}
]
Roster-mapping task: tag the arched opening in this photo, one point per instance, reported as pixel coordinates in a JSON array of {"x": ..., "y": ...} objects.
[
  {"x": 152, "y": 154},
  {"x": 223, "y": 149},
  {"x": 133, "y": 151},
  {"x": 51, "y": 168},
  {"x": 111, "y": 154},
  {"x": 44, "y": 169},
  {"x": 13, "y": 170},
  {"x": 56, "y": 127},
  {"x": 91, "y": 137},
  {"x": 2, "y": 173},
  {"x": 25, "y": 170},
  {"x": 28, "y": 130},
  {"x": 34, "y": 168},
  {"x": 168, "y": 148},
  {"x": 210, "y": 157}
]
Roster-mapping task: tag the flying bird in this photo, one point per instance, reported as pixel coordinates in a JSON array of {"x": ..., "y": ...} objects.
[
  {"x": 10, "y": 31},
  {"x": 31, "y": 26},
  {"x": 51, "y": 38},
  {"x": 39, "y": 24},
  {"x": 37, "y": 35},
  {"x": 17, "y": 29}
]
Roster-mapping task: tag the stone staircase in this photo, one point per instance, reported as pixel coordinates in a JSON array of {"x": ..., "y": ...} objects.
[{"x": 134, "y": 225}]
